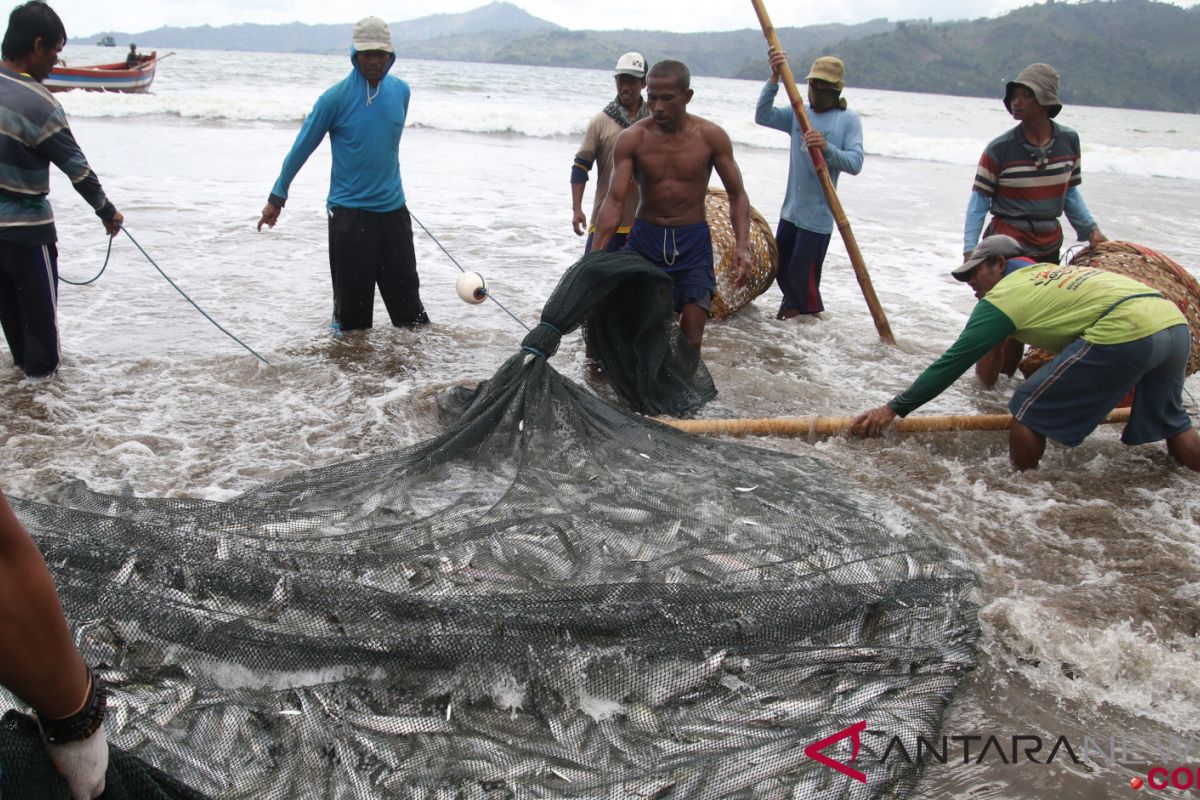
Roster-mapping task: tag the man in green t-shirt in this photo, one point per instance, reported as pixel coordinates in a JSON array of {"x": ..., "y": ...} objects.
[{"x": 1111, "y": 333}]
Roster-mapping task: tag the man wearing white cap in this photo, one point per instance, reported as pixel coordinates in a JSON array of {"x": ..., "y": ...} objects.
[
  {"x": 1112, "y": 334},
  {"x": 602, "y": 132},
  {"x": 806, "y": 221},
  {"x": 370, "y": 230}
]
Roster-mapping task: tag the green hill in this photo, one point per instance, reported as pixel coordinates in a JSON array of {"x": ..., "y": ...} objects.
[
  {"x": 1123, "y": 53},
  {"x": 1127, "y": 54}
]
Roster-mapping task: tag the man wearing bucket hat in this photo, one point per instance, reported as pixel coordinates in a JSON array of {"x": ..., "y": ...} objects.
[
  {"x": 1111, "y": 333},
  {"x": 370, "y": 229},
  {"x": 626, "y": 109},
  {"x": 805, "y": 221},
  {"x": 1028, "y": 177}
]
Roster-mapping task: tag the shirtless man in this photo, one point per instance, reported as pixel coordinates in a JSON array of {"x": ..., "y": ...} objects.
[{"x": 671, "y": 155}]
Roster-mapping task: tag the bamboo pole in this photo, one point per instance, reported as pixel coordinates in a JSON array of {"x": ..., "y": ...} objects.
[
  {"x": 832, "y": 426},
  {"x": 835, "y": 205}
]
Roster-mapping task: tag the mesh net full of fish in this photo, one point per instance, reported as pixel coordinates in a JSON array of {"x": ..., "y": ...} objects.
[{"x": 555, "y": 598}]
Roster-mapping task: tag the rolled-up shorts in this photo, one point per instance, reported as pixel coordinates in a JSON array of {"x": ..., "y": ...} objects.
[
  {"x": 1068, "y": 397},
  {"x": 685, "y": 253}
]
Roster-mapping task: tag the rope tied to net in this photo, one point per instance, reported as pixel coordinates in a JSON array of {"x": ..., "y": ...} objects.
[
  {"x": 174, "y": 286},
  {"x": 461, "y": 269},
  {"x": 107, "y": 255}
]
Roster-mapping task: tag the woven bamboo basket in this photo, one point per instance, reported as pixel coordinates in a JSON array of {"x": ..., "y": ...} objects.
[
  {"x": 1151, "y": 268},
  {"x": 764, "y": 256}
]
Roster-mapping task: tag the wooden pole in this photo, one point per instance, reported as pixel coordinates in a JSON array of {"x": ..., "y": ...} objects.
[
  {"x": 835, "y": 205},
  {"x": 832, "y": 426}
]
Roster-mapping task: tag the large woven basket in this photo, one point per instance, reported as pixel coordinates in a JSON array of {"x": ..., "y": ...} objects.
[
  {"x": 1151, "y": 268},
  {"x": 764, "y": 256}
]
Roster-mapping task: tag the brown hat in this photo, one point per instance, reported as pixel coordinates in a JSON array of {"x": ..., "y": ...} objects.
[
  {"x": 829, "y": 69},
  {"x": 1043, "y": 81},
  {"x": 989, "y": 247}
]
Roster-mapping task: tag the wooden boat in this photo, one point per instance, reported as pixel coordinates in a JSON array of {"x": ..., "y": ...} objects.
[
  {"x": 106, "y": 41},
  {"x": 103, "y": 77}
]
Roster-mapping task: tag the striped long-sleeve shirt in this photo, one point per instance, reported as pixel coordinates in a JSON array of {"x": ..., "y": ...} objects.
[
  {"x": 1029, "y": 187},
  {"x": 33, "y": 133}
]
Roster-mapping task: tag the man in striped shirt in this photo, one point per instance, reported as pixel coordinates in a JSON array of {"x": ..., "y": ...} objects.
[
  {"x": 1028, "y": 177},
  {"x": 36, "y": 133}
]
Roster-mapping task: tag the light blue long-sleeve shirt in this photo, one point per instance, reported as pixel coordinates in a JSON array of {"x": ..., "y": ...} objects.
[
  {"x": 364, "y": 127},
  {"x": 804, "y": 204}
]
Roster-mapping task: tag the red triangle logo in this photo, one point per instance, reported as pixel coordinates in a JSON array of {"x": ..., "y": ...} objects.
[{"x": 852, "y": 733}]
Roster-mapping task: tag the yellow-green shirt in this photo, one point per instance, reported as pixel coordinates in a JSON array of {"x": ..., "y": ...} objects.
[
  {"x": 1048, "y": 306},
  {"x": 1051, "y": 305}
]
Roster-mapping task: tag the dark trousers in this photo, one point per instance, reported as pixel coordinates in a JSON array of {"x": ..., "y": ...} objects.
[
  {"x": 29, "y": 306},
  {"x": 801, "y": 256},
  {"x": 368, "y": 248}
]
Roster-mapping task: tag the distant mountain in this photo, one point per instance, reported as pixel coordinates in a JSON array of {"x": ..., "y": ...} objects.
[
  {"x": 500, "y": 21},
  {"x": 492, "y": 18},
  {"x": 1122, "y": 53},
  {"x": 1126, "y": 53}
]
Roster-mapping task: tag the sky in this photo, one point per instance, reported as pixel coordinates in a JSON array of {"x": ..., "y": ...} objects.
[{"x": 86, "y": 17}]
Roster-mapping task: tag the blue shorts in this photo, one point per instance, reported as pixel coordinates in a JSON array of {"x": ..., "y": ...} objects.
[
  {"x": 685, "y": 253},
  {"x": 1067, "y": 398},
  {"x": 617, "y": 242}
]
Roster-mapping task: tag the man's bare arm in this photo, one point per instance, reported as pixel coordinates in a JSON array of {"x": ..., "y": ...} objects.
[
  {"x": 41, "y": 664},
  {"x": 739, "y": 203},
  {"x": 618, "y": 187},
  {"x": 578, "y": 218}
]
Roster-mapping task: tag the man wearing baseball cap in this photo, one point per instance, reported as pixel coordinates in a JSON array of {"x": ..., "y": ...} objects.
[
  {"x": 1112, "y": 334},
  {"x": 806, "y": 221},
  {"x": 626, "y": 109},
  {"x": 370, "y": 229}
]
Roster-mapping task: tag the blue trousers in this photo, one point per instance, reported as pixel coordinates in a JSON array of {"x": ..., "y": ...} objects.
[{"x": 801, "y": 255}]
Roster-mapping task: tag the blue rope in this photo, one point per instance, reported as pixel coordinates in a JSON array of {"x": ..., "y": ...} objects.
[
  {"x": 185, "y": 297},
  {"x": 534, "y": 350},
  {"x": 98, "y": 274},
  {"x": 460, "y": 269}
]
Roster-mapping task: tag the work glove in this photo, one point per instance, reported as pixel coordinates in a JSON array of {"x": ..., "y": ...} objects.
[{"x": 82, "y": 764}]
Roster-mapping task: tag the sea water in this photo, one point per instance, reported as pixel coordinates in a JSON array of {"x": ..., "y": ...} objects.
[{"x": 1087, "y": 566}]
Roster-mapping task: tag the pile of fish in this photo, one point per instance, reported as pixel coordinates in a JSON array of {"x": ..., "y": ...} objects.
[{"x": 553, "y": 599}]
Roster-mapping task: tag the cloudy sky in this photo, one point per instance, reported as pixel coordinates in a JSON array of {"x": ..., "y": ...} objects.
[{"x": 85, "y": 17}]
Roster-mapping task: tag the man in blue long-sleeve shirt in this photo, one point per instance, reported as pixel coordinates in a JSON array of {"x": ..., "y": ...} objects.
[
  {"x": 805, "y": 221},
  {"x": 370, "y": 230},
  {"x": 36, "y": 134}
]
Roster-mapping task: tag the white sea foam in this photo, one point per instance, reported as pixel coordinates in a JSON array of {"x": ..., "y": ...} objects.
[
  {"x": 1108, "y": 664},
  {"x": 247, "y": 88}
]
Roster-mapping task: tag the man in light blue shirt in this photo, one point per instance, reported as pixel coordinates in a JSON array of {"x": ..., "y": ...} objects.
[
  {"x": 805, "y": 221},
  {"x": 370, "y": 230}
]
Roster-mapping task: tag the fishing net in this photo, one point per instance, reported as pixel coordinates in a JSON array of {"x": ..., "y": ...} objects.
[{"x": 554, "y": 598}]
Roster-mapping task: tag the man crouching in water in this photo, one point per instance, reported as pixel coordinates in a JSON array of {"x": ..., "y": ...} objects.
[{"x": 671, "y": 155}]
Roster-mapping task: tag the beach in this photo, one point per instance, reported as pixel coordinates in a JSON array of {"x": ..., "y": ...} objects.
[{"x": 1090, "y": 596}]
